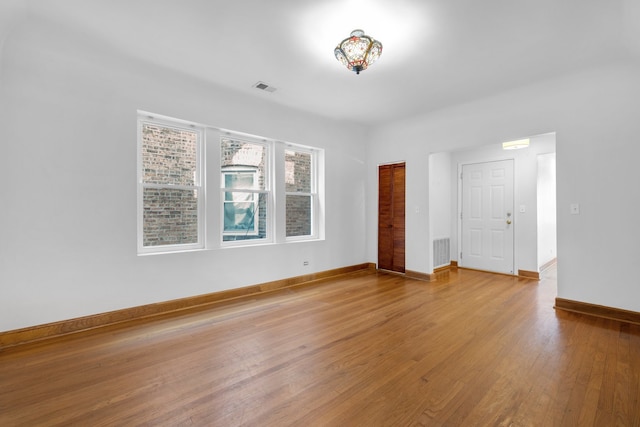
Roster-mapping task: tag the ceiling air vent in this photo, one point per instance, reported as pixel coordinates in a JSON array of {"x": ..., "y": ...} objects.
[{"x": 265, "y": 87}]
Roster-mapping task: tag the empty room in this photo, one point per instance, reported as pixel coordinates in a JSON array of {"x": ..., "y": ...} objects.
[{"x": 326, "y": 213}]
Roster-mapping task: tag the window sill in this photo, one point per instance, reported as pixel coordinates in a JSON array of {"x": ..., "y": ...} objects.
[{"x": 231, "y": 246}]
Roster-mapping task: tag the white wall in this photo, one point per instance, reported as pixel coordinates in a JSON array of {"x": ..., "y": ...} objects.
[
  {"x": 595, "y": 115},
  {"x": 68, "y": 166},
  {"x": 441, "y": 193},
  {"x": 547, "y": 224}
]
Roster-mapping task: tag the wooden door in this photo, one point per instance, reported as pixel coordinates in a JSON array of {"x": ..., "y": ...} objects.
[
  {"x": 487, "y": 216},
  {"x": 391, "y": 217}
]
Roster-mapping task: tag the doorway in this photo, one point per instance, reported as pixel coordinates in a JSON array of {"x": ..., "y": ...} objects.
[
  {"x": 487, "y": 216},
  {"x": 534, "y": 211},
  {"x": 391, "y": 217}
]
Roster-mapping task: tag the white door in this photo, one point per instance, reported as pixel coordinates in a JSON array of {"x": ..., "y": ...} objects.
[{"x": 487, "y": 216}]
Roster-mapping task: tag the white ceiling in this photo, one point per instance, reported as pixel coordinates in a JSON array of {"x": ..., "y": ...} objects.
[{"x": 436, "y": 52}]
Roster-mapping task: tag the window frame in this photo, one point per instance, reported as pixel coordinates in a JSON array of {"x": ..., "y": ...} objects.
[
  {"x": 255, "y": 196},
  {"x": 199, "y": 183},
  {"x": 267, "y": 190},
  {"x": 313, "y": 194},
  {"x": 209, "y": 178}
]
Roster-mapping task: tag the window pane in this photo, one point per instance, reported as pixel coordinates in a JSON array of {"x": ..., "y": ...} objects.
[
  {"x": 170, "y": 216},
  {"x": 297, "y": 171},
  {"x": 245, "y": 216},
  {"x": 244, "y": 157},
  {"x": 239, "y": 212},
  {"x": 168, "y": 155},
  {"x": 298, "y": 215},
  {"x": 239, "y": 179}
]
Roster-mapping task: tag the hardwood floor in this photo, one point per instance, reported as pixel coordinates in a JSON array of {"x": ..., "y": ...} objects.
[{"x": 366, "y": 349}]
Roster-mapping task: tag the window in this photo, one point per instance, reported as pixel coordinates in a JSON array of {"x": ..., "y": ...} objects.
[
  {"x": 170, "y": 194},
  {"x": 245, "y": 187},
  {"x": 247, "y": 200},
  {"x": 301, "y": 194}
]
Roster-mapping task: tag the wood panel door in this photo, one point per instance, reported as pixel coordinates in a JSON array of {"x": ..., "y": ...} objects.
[{"x": 391, "y": 217}]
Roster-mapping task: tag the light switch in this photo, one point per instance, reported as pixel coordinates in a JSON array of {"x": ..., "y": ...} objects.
[
  {"x": 575, "y": 209},
  {"x": 523, "y": 208}
]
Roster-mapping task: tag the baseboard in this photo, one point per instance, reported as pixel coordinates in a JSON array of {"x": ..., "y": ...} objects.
[
  {"x": 525, "y": 274},
  {"x": 431, "y": 277},
  {"x": 598, "y": 311},
  {"x": 548, "y": 264},
  {"x": 529, "y": 274},
  {"x": 420, "y": 276},
  {"x": 86, "y": 323},
  {"x": 453, "y": 264}
]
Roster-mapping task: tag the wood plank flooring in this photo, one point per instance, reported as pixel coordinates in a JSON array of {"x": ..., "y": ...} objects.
[{"x": 366, "y": 349}]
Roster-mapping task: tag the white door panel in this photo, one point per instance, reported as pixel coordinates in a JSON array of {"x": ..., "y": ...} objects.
[{"x": 487, "y": 216}]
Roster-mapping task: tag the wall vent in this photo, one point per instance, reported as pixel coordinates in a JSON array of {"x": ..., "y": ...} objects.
[
  {"x": 265, "y": 87},
  {"x": 441, "y": 253}
]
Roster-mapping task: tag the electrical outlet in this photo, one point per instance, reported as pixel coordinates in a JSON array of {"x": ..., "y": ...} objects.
[{"x": 305, "y": 263}]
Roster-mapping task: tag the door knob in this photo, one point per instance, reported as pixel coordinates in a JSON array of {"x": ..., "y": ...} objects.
[{"x": 508, "y": 221}]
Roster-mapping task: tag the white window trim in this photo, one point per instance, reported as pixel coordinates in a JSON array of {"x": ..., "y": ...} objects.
[{"x": 152, "y": 119}]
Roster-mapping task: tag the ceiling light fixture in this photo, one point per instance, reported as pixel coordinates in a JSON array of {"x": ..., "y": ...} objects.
[
  {"x": 358, "y": 51},
  {"x": 515, "y": 145}
]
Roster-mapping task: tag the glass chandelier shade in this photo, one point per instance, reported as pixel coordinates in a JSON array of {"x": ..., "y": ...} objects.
[{"x": 358, "y": 51}]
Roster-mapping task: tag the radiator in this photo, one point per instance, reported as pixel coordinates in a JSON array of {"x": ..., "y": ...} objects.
[{"x": 441, "y": 252}]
